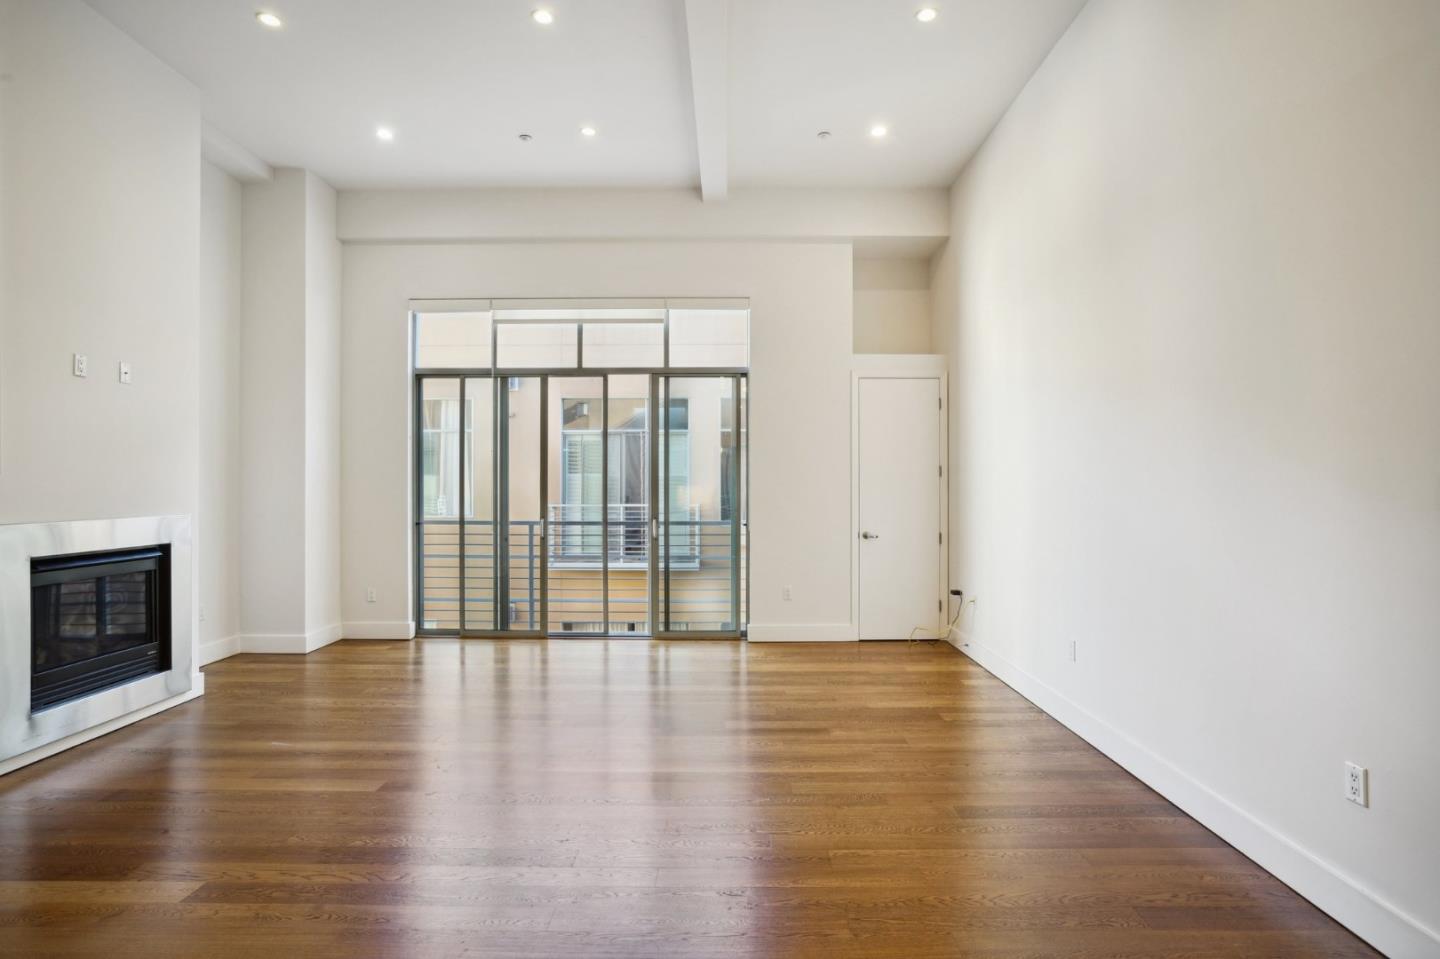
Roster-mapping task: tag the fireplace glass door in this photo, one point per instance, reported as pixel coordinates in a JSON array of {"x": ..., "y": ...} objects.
[{"x": 97, "y": 620}]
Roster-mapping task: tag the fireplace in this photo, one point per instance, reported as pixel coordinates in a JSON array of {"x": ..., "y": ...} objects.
[
  {"x": 96, "y": 629},
  {"x": 97, "y": 620}
]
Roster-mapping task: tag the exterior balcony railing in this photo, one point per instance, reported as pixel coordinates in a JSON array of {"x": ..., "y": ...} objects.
[{"x": 698, "y": 573}]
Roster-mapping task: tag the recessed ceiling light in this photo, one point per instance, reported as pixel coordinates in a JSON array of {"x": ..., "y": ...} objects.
[
  {"x": 587, "y": 131},
  {"x": 879, "y": 131},
  {"x": 525, "y": 138},
  {"x": 543, "y": 17},
  {"x": 384, "y": 133},
  {"x": 268, "y": 19},
  {"x": 926, "y": 14},
  {"x": 823, "y": 134}
]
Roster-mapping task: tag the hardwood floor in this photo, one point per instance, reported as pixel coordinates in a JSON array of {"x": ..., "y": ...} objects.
[{"x": 624, "y": 799}]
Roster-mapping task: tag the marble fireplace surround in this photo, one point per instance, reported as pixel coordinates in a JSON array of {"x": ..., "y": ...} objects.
[{"x": 27, "y": 737}]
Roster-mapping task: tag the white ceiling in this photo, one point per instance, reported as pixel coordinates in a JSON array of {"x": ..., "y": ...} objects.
[{"x": 458, "y": 80}]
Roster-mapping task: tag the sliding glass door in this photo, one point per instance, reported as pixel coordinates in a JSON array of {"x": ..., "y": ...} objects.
[
  {"x": 569, "y": 490},
  {"x": 698, "y": 476}
]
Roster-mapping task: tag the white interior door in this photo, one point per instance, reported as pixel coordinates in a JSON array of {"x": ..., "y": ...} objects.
[{"x": 899, "y": 506}]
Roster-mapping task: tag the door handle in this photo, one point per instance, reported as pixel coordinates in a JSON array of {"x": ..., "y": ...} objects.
[{"x": 869, "y": 535}]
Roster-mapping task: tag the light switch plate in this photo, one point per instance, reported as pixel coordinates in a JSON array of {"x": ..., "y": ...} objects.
[{"x": 81, "y": 364}]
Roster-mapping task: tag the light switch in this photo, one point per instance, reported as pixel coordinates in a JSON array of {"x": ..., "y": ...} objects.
[
  {"x": 82, "y": 365},
  {"x": 124, "y": 372}
]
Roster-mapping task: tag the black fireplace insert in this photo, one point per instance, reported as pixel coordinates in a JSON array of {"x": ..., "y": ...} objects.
[{"x": 97, "y": 620}]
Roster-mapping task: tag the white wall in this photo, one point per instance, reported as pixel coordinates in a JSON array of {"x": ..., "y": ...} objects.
[
  {"x": 1191, "y": 302},
  {"x": 892, "y": 306},
  {"x": 272, "y": 429},
  {"x": 290, "y": 422},
  {"x": 322, "y": 410},
  {"x": 100, "y": 209},
  {"x": 799, "y": 434},
  {"x": 218, "y": 510}
]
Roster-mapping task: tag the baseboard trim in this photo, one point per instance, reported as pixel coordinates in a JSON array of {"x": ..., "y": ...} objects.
[
  {"x": 291, "y": 643},
  {"x": 197, "y": 689},
  {"x": 801, "y": 633},
  {"x": 1370, "y": 917},
  {"x": 218, "y": 649},
  {"x": 380, "y": 630}
]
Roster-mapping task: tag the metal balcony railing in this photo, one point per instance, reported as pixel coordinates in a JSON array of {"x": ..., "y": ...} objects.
[{"x": 700, "y": 557}]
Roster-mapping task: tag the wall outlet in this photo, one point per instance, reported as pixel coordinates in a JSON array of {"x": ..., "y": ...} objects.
[
  {"x": 124, "y": 372},
  {"x": 785, "y": 593},
  {"x": 369, "y": 594},
  {"x": 1357, "y": 784},
  {"x": 81, "y": 365}
]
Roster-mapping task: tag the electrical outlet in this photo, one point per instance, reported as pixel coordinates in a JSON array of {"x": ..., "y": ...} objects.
[
  {"x": 785, "y": 593},
  {"x": 369, "y": 594},
  {"x": 1357, "y": 784},
  {"x": 124, "y": 372},
  {"x": 81, "y": 364}
]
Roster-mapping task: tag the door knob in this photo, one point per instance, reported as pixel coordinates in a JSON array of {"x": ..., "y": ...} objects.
[{"x": 869, "y": 535}]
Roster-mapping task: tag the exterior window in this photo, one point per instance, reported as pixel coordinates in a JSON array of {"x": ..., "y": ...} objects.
[
  {"x": 440, "y": 448},
  {"x": 582, "y": 491}
]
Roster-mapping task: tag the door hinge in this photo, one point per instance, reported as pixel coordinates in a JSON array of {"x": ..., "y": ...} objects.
[
  {"x": 941, "y": 470},
  {"x": 941, "y": 534},
  {"x": 939, "y": 402},
  {"x": 940, "y": 605}
]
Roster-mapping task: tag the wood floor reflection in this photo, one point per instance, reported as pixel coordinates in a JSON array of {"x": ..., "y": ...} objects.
[{"x": 617, "y": 799}]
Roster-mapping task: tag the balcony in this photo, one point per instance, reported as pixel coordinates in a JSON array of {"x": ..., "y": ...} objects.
[{"x": 698, "y": 572}]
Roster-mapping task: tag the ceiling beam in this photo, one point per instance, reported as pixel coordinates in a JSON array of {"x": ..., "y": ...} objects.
[{"x": 707, "y": 26}]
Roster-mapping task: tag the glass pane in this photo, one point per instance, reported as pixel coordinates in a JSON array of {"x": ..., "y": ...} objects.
[
  {"x": 574, "y": 505},
  {"x": 624, "y": 345},
  {"x": 697, "y": 541},
  {"x": 519, "y": 425},
  {"x": 703, "y": 338},
  {"x": 452, "y": 340},
  {"x": 628, "y": 504},
  {"x": 479, "y": 496},
  {"x": 440, "y": 503},
  {"x": 744, "y": 500},
  {"x": 536, "y": 346}
]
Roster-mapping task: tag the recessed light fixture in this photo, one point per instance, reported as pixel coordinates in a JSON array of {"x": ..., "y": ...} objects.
[
  {"x": 268, "y": 19},
  {"x": 879, "y": 131},
  {"x": 384, "y": 133},
  {"x": 823, "y": 134},
  {"x": 926, "y": 14},
  {"x": 525, "y": 138},
  {"x": 543, "y": 17},
  {"x": 587, "y": 131}
]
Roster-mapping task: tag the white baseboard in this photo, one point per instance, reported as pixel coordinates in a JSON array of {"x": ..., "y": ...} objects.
[
  {"x": 292, "y": 643},
  {"x": 802, "y": 633},
  {"x": 197, "y": 688},
  {"x": 380, "y": 630},
  {"x": 1367, "y": 915},
  {"x": 218, "y": 649}
]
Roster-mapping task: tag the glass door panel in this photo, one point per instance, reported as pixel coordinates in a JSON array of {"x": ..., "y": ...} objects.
[
  {"x": 698, "y": 564},
  {"x": 627, "y": 504},
  {"x": 477, "y": 490},
  {"x": 437, "y": 539},
  {"x": 575, "y": 594},
  {"x": 517, "y": 430}
]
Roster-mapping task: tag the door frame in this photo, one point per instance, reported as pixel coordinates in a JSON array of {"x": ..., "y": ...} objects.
[
  {"x": 660, "y": 505},
  {"x": 916, "y": 366}
]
